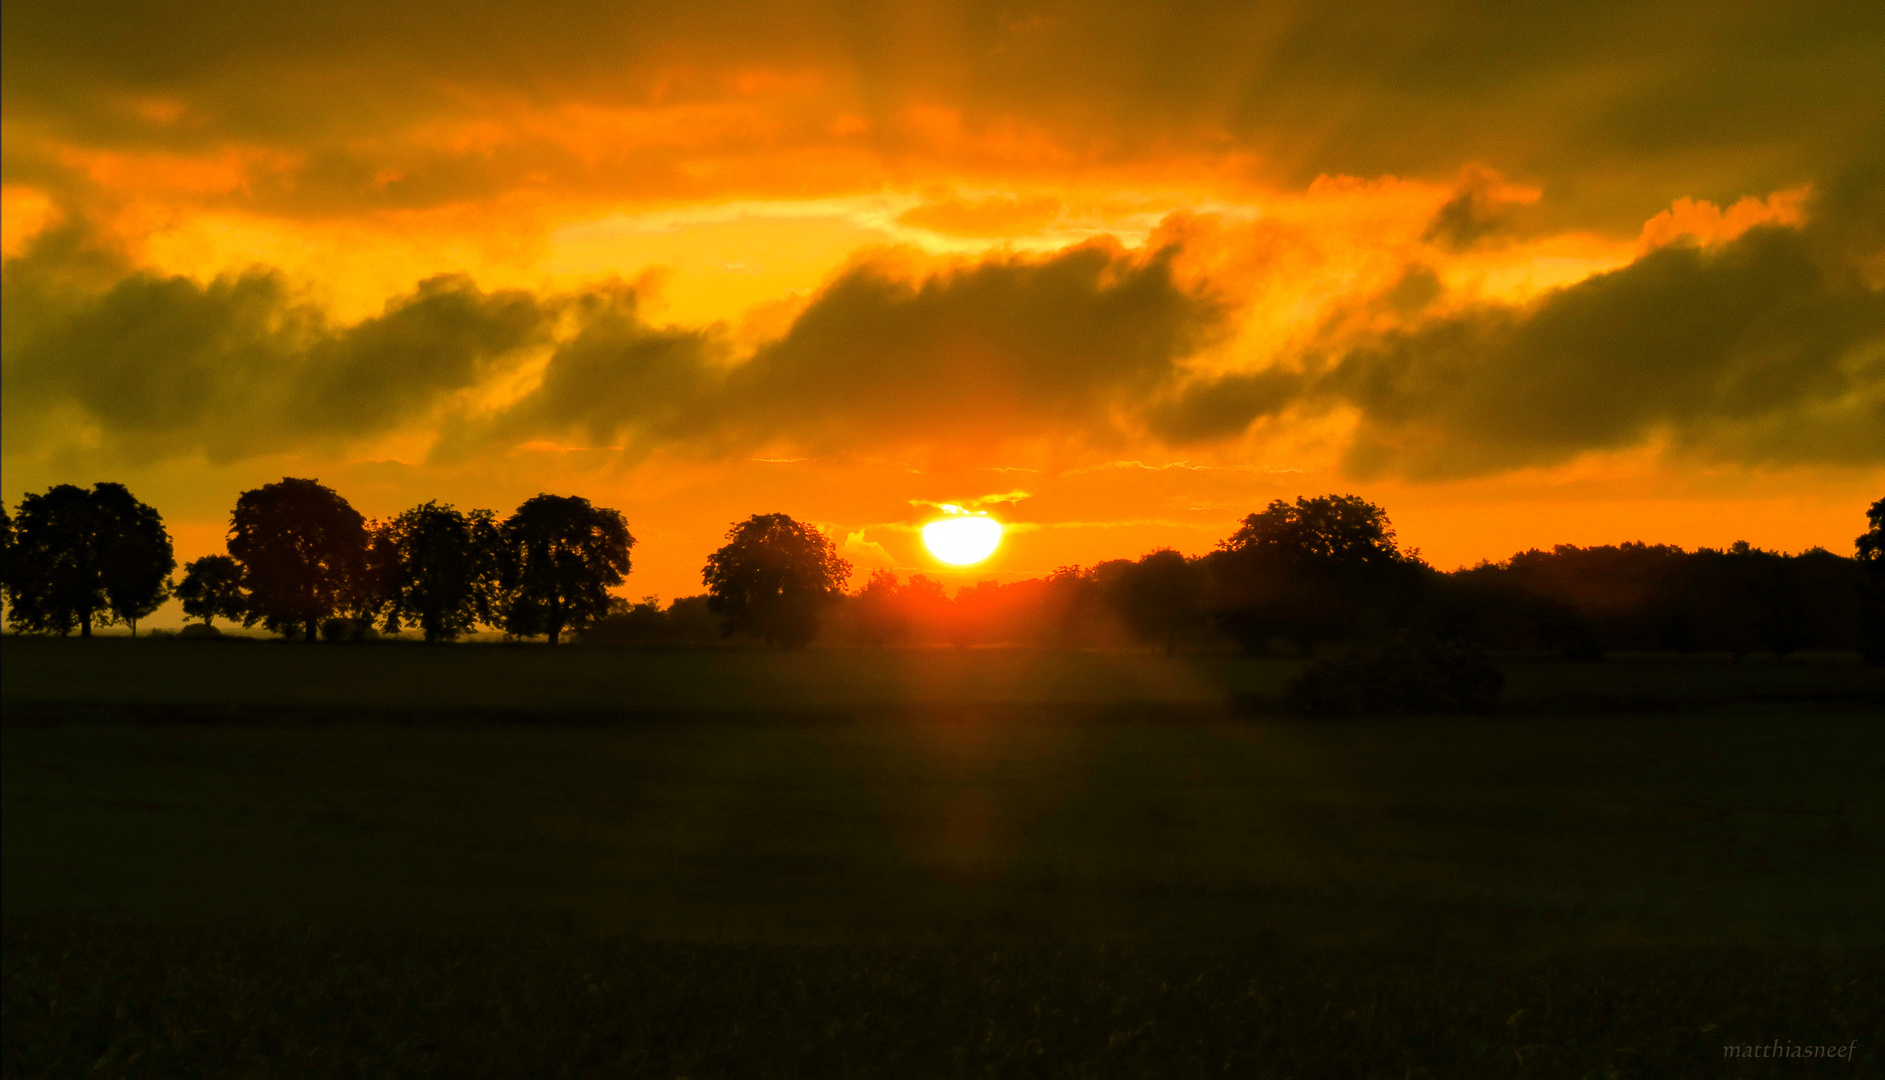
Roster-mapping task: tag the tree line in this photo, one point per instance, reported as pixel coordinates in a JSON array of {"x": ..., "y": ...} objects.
[
  {"x": 1301, "y": 576},
  {"x": 1295, "y": 577},
  {"x": 303, "y": 563}
]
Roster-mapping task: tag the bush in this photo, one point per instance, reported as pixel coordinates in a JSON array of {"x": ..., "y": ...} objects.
[
  {"x": 1406, "y": 674},
  {"x": 199, "y": 630},
  {"x": 349, "y": 630}
]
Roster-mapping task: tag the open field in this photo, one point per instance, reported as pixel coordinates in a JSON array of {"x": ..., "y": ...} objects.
[
  {"x": 250, "y": 681},
  {"x": 921, "y": 863}
]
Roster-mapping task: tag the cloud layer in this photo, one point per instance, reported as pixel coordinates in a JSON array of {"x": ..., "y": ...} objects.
[
  {"x": 147, "y": 366},
  {"x": 1765, "y": 348},
  {"x": 327, "y": 109}
]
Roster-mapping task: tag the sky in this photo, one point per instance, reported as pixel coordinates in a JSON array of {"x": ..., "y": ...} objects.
[{"x": 1116, "y": 274}]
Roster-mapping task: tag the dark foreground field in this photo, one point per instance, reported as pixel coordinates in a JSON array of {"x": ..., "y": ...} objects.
[{"x": 261, "y": 859}]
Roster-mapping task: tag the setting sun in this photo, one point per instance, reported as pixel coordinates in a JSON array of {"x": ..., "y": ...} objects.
[{"x": 962, "y": 540}]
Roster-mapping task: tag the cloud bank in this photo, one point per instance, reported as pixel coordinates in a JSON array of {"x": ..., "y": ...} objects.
[
  {"x": 1768, "y": 348},
  {"x": 330, "y": 109}
]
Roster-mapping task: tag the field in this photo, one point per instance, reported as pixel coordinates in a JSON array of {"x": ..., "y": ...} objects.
[{"x": 272, "y": 859}]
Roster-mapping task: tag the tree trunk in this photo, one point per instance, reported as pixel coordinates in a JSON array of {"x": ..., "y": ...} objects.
[
  {"x": 85, "y": 628},
  {"x": 134, "y": 628},
  {"x": 556, "y": 630},
  {"x": 310, "y": 631}
]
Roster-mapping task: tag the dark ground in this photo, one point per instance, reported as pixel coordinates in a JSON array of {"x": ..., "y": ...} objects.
[{"x": 270, "y": 859}]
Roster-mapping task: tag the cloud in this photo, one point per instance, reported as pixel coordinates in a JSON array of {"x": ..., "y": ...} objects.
[
  {"x": 1002, "y": 348},
  {"x": 965, "y": 360},
  {"x": 148, "y": 366},
  {"x": 617, "y": 379},
  {"x": 1486, "y": 208},
  {"x": 997, "y": 215},
  {"x": 1765, "y": 349},
  {"x": 1614, "y": 107}
]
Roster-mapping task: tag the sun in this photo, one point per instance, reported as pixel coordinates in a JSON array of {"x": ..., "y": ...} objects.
[{"x": 962, "y": 540}]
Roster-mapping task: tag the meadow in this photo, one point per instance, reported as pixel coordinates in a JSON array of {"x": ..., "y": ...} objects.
[{"x": 274, "y": 859}]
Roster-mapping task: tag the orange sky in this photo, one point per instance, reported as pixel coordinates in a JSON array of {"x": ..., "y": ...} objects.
[{"x": 1598, "y": 273}]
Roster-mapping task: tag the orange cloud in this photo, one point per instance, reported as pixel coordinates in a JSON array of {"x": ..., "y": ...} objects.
[{"x": 1702, "y": 222}]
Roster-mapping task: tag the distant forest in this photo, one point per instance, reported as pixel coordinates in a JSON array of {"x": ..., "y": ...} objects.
[{"x": 1294, "y": 578}]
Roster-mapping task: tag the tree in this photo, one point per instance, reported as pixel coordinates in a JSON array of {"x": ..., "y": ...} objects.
[
  {"x": 773, "y": 577},
  {"x": 1159, "y": 598},
  {"x": 879, "y": 617},
  {"x": 81, "y": 558},
  {"x": 303, "y": 552},
  {"x": 1330, "y": 529},
  {"x": 1317, "y": 570},
  {"x": 6, "y": 553},
  {"x": 1870, "y": 549},
  {"x": 438, "y": 568},
  {"x": 560, "y": 556},
  {"x": 212, "y": 588},
  {"x": 138, "y": 558}
]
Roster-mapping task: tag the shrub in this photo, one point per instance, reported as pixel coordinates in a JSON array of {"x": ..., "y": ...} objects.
[
  {"x": 1405, "y": 674},
  {"x": 341, "y": 629}
]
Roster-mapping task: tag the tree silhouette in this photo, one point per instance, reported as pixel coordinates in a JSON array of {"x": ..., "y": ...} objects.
[
  {"x": 212, "y": 588},
  {"x": 1160, "y": 597},
  {"x": 1312, "y": 571},
  {"x": 81, "y": 558},
  {"x": 303, "y": 552},
  {"x": 1870, "y": 549},
  {"x": 772, "y": 578},
  {"x": 559, "y": 558},
  {"x": 138, "y": 558},
  {"x": 438, "y": 568},
  {"x": 6, "y": 553},
  {"x": 880, "y": 618}
]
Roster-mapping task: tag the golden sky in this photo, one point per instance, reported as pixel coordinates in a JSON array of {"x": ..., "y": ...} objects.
[{"x": 1118, "y": 273}]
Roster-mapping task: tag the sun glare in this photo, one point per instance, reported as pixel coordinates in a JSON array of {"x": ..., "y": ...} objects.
[{"x": 962, "y": 540}]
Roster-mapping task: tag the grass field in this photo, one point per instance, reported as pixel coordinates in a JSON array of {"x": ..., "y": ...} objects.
[{"x": 266, "y": 859}]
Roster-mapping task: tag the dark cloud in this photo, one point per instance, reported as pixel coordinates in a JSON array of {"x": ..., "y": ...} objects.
[
  {"x": 1616, "y": 106},
  {"x": 150, "y": 366},
  {"x": 618, "y": 380},
  {"x": 1005, "y": 349},
  {"x": 1766, "y": 349},
  {"x": 1216, "y": 409},
  {"x": 1011, "y": 348},
  {"x": 1474, "y": 216}
]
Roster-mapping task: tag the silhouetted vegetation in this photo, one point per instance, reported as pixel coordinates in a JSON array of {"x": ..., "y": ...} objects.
[
  {"x": 1327, "y": 572},
  {"x": 687, "y": 621},
  {"x": 1406, "y": 673},
  {"x": 772, "y": 579},
  {"x": 560, "y": 556},
  {"x": 439, "y": 569},
  {"x": 77, "y": 558},
  {"x": 1581, "y": 602},
  {"x": 1297, "y": 577},
  {"x": 1321, "y": 571},
  {"x": 212, "y": 588},
  {"x": 1871, "y": 550},
  {"x": 303, "y": 551}
]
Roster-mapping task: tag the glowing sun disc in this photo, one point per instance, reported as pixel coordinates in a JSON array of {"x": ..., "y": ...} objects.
[{"x": 962, "y": 540}]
